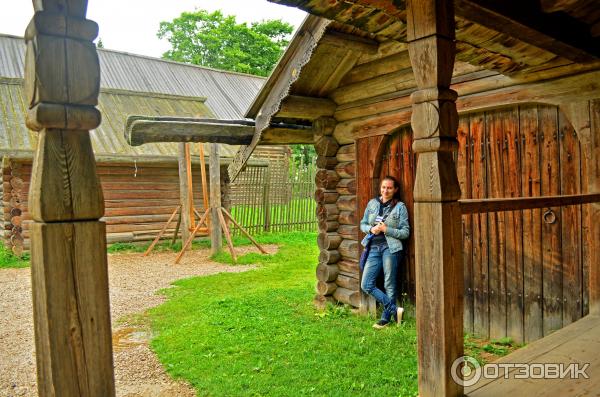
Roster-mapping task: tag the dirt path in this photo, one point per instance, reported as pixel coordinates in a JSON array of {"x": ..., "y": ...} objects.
[{"x": 134, "y": 281}]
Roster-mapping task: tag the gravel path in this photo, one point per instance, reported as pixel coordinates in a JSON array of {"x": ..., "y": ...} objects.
[{"x": 134, "y": 280}]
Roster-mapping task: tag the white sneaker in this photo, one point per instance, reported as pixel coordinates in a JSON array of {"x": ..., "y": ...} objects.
[{"x": 399, "y": 313}]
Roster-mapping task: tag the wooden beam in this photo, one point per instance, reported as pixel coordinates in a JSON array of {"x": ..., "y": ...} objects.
[
  {"x": 203, "y": 174},
  {"x": 286, "y": 136},
  {"x": 214, "y": 172},
  {"x": 350, "y": 42},
  {"x": 307, "y": 108},
  {"x": 387, "y": 113},
  {"x": 437, "y": 223},
  {"x": 525, "y": 21},
  {"x": 593, "y": 161},
  {"x": 145, "y": 129},
  {"x": 190, "y": 186},
  {"x": 184, "y": 192},
  {"x": 475, "y": 206},
  {"x": 585, "y": 118},
  {"x": 68, "y": 242},
  {"x": 558, "y": 5},
  {"x": 142, "y": 129}
]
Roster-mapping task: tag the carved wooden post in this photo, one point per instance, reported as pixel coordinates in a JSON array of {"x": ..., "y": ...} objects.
[
  {"x": 439, "y": 274},
  {"x": 214, "y": 172},
  {"x": 68, "y": 243}
]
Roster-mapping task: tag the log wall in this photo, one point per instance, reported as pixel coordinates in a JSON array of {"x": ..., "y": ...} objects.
[
  {"x": 139, "y": 198},
  {"x": 14, "y": 193},
  {"x": 337, "y": 271}
]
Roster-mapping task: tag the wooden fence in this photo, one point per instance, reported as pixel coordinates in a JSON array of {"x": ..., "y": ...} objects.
[{"x": 261, "y": 202}]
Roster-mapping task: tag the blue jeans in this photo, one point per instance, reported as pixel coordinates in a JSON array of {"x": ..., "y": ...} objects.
[{"x": 380, "y": 259}]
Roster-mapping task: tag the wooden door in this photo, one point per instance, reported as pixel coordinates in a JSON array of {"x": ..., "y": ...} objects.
[{"x": 524, "y": 271}]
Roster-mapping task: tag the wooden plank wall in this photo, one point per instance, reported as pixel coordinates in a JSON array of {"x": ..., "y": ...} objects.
[{"x": 525, "y": 271}]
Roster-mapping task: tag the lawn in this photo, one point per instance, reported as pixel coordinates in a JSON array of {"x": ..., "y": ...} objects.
[
  {"x": 10, "y": 260},
  {"x": 258, "y": 334}
]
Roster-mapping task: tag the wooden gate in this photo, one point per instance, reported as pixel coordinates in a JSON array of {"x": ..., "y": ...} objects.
[{"x": 525, "y": 271}]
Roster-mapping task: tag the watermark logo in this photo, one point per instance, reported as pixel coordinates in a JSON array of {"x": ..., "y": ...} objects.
[{"x": 466, "y": 371}]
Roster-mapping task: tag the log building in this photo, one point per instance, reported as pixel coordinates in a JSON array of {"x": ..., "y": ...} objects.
[
  {"x": 140, "y": 184},
  {"x": 524, "y": 270},
  {"x": 498, "y": 153}
]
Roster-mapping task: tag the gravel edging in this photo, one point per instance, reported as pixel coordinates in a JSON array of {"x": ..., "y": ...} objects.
[{"x": 134, "y": 281}]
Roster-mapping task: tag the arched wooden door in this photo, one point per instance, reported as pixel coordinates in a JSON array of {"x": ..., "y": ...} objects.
[
  {"x": 389, "y": 155},
  {"x": 398, "y": 161}
]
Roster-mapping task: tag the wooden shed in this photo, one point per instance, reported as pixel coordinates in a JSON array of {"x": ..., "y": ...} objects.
[
  {"x": 499, "y": 154},
  {"x": 140, "y": 184}
]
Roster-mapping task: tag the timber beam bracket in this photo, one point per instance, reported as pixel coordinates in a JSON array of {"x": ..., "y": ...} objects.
[{"x": 145, "y": 129}]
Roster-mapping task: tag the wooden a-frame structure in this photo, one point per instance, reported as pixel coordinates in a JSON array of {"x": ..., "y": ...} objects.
[{"x": 70, "y": 286}]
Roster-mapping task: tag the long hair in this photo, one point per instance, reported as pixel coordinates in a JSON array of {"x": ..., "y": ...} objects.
[{"x": 396, "y": 196}]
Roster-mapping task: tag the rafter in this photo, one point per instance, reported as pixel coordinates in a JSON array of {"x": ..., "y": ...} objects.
[{"x": 557, "y": 32}]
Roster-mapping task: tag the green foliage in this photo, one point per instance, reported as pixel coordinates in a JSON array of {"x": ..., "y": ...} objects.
[
  {"x": 218, "y": 41},
  {"x": 303, "y": 154},
  {"x": 126, "y": 247},
  {"x": 10, "y": 260},
  {"x": 165, "y": 245},
  {"x": 257, "y": 333},
  {"x": 488, "y": 350}
]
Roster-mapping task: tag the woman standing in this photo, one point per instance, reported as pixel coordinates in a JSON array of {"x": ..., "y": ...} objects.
[{"x": 386, "y": 222}]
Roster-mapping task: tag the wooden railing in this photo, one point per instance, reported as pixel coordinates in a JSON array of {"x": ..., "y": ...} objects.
[{"x": 476, "y": 206}]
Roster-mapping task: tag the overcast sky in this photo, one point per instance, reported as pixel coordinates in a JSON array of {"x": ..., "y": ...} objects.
[{"x": 131, "y": 25}]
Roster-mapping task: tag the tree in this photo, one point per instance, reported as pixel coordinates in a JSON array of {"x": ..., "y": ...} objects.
[
  {"x": 303, "y": 154},
  {"x": 219, "y": 42}
]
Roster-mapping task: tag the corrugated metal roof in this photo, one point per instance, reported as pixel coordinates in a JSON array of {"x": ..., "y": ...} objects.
[
  {"x": 108, "y": 139},
  {"x": 229, "y": 94},
  {"x": 130, "y": 85}
]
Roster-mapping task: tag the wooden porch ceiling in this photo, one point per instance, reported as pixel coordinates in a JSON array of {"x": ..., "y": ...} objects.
[{"x": 506, "y": 36}]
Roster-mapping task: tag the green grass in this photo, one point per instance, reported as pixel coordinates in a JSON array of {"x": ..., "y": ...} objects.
[
  {"x": 165, "y": 245},
  {"x": 257, "y": 334},
  {"x": 10, "y": 260},
  {"x": 485, "y": 351}
]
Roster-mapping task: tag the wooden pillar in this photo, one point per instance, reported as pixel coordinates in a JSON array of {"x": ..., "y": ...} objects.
[
  {"x": 593, "y": 151},
  {"x": 185, "y": 192},
  {"x": 68, "y": 243},
  {"x": 214, "y": 175},
  {"x": 585, "y": 118},
  {"x": 438, "y": 245}
]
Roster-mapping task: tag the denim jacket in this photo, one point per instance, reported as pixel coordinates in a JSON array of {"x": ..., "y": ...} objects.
[{"x": 396, "y": 222}]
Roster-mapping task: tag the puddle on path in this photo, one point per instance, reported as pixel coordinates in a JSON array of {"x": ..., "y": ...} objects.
[{"x": 125, "y": 338}]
